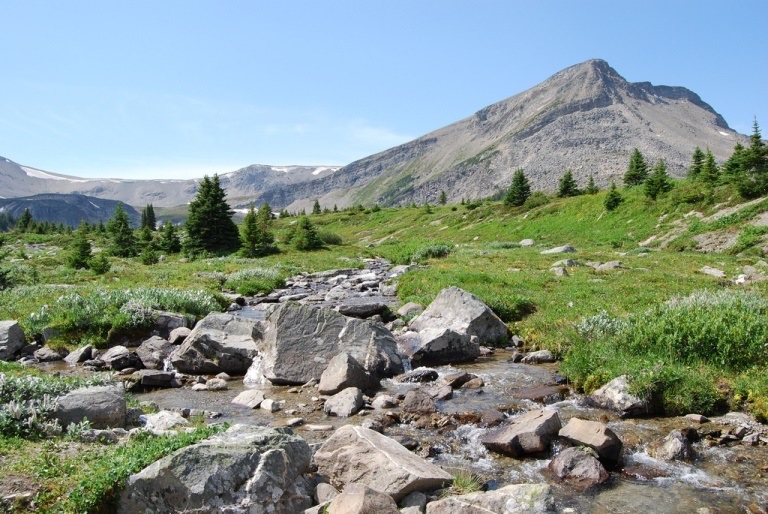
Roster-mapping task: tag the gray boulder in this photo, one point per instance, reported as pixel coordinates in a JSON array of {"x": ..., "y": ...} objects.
[
  {"x": 538, "y": 357},
  {"x": 360, "y": 455},
  {"x": 103, "y": 406},
  {"x": 674, "y": 447},
  {"x": 296, "y": 343},
  {"x": 511, "y": 499},
  {"x": 452, "y": 328},
  {"x": 178, "y": 335},
  {"x": 345, "y": 403},
  {"x": 162, "y": 421},
  {"x": 245, "y": 469},
  {"x": 46, "y": 354},
  {"x": 156, "y": 378},
  {"x": 11, "y": 339},
  {"x": 119, "y": 358},
  {"x": 528, "y": 433},
  {"x": 418, "y": 402},
  {"x": 344, "y": 371},
  {"x": 82, "y": 354},
  {"x": 410, "y": 309},
  {"x": 595, "y": 435},
  {"x": 418, "y": 375},
  {"x": 153, "y": 352},
  {"x": 250, "y": 398},
  {"x": 219, "y": 342},
  {"x": 361, "y": 499},
  {"x": 559, "y": 249},
  {"x": 167, "y": 322},
  {"x": 527, "y": 242},
  {"x": 615, "y": 396},
  {"x": 361, "y": 309},
  {"x": 579, "y": 468}
]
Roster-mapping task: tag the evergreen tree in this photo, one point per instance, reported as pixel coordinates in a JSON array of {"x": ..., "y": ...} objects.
[
  {"x": 443, "y": 199},
  {"x": 209, "y": 224},
  {"x": 26, "y": 222},
  {"x": 303, "y": 235},
  {"x": 568, "y": 186},
  {"x": 427, "y": 208},
  {"x": 80, "y": 252},
  {"x": 697, "y": 163},
  {"x": 316, "y": 207},
  {"x": 121, "y": 240},
  {"x": 613, "y": 199},
  {"x": 148, "y": 218},
  {"x": 100, "y": 227},
  {"x": 99, "y": 264},
  {"x": 637, "y": 171},
  {"x": 658, "y": 182},
  {"x": 751, "y": 166},
  {"x": 591, "y": 189},
  {"x": 146, "y": 238},
  {"x": 518, "y": 192},
  {"x": 732, "y": 166},
  {"x": 335, "y": 208},
  {"x": 169, "y": 241},
  {"x": 710, "y": 173},
  {"x": 255, "y": 233}
]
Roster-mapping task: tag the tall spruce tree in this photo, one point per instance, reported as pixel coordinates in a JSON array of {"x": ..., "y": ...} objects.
[
  {"x": 567, "y": 186},
  {"x": 303, "y": 235},
  {"x": 148, "y": 218},
  {"x": 591, "y": 188},
  {"x": 443, "y": 198},
  {"x": 122, "y": 243},
  {"x": 658, "y": 182},
  {"x": 316, "y": 207},
  {"x": 80, "y": 252},
  {"x": 169, "y": 241},
  {"x": 518, "y": 192},
  {"x": 26, "y": 222},
  {"x": 710, "y": 173},
  {"x": 255, "y": 234},
  {"x": 613, "y": 199},
  {"x": 209, "y": 224},
  {"x": 697, "y": 163},
  {"x": 637, "y": 171}
]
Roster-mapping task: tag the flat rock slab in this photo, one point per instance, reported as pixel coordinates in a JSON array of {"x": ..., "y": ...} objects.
[
  {"x": 359, "y": 455},
  {"x": 559, "y": 249},
  {"x": 713, "y": 272},
  {"x": 528, "y": 433},
  {"x": 250, "y": 398},
  {"x": 545, "y": 394},
  {"x": 595, "y": 435},
  {"x": 104, "y": 406},
  {"x": 512, "y": 499}
]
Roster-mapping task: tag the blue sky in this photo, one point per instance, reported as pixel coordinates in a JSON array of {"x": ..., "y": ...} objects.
[{"x": 170, "y": 88}]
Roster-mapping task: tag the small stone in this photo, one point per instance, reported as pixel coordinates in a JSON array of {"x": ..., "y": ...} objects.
[
  {"x": 697, "y": 418},
  {"x": 269, "y": 405},
  {"x": 216, "y": 384},
  {"x": 250, "y": 398},
  {"x": 294, "y": 422},
  {"x": 224, "y": 376},
  {"x": 475, "y": 383}
]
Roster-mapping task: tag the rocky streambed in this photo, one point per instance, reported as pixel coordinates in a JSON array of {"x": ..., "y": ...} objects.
[{"x": 309, "y": 357}]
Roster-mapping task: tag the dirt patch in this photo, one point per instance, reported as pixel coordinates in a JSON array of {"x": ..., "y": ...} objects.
[
  {"x": 16, "y": 491},
  {"x": 716, "y": 241}
]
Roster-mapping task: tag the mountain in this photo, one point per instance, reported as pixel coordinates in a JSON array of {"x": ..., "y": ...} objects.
[
  {"x": 586, "y": 118},
  {"x": 17, "y": 180},
  {"x": 68, "y": 209}
]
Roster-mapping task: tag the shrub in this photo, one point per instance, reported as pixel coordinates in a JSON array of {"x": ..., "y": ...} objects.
[
  {"x": 430, "y": 252},
  {"x": 148, "y": 256},
  {"x": 99, "y": 264},
  {"x": 503, "y": 245},
  {"x": 255, "y": 280},
  {"x": 330, "y": 238},
  {"x": 537, "y": 199}
]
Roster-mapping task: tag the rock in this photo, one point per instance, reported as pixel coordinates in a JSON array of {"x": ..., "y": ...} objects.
[
  {"x": 511, "y": 499},
  {"x": 46, "y": 354},
  {"x": 219, "y": 342},
  {"x": 594, "y": 435},
  {"x": 456, "y": 380},
  {"x": 361, "y": 499},
  {"x": 153, "y": 352},
  {"x": 418, "y": 375},
  {"x": 475, "y": 383},
  {"x": 359, "y": 455},
  {"x": 167, "y": 322},
  {"x": 440, "y": 393},
  {"x": 82, "y": 354},
  {"x": 527, "y": 242},
  {"x": 697, "y": 418},
  {"x": 615, "y": 396},
  {"x": 293, "y": 332},
  {"x": 362, "y": 309},
  {"x": 223, "y": 376},
  {"x": 119, "y": 357},
  {"x": 269, "y": 405},
  {"x": 579, "y": 468},
  {"x": 566, "y": 263},
  {"x": 538, "y": 357},
  {"x": 162, "y": 421},
  {"x": 28, "y": 350},
  {"x": 216, "y": 384},
  {"x": 446, "y": 327},
  {"x": 245, "y": 469},
  {"x": 410, "y": 309},
  {"x": 492, "y": 418},
  {"x": 250, "y": 398},
  {"x": 155, "y": 378},
  {"x": 528, "y": 433},
  {"x": 401, "y": 269},
  {"x": 610, "y": 266},
  {"x": 751, "y": 439},
  {"x": 344, "y": 371},
  {"x": 11, "y": 339},
  {"x": 178, "y": 335},
  {"x": 384, "y": 401},
  {"x": 674, "y": 447},
  {"x": 345, "y": 403},
  {"x": 294, "y": 422},
  {"x": 325, "y": 492},
  {"x": 713, "y": 272},
  {"x": 560, "y": 272},
  {"x": 416, "y": 499},
  {"x": 104, "y": 406},
  {"x": 559, "y": 249},
  {"x": 418, "y": 402},
  {"x": 92, "y": 435}
]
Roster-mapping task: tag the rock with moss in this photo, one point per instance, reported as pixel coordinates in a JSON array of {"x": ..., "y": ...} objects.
[{"x": 11, "y": 339}]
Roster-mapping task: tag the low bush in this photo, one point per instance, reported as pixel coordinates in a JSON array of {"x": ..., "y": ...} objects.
[
  {"x": 255, "y": 280},
  {"x": 430, "y": 252},
  {"x": 330, "y": 238}
]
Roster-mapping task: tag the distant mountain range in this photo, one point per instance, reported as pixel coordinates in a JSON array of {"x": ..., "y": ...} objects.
[
  {"x": 586, "y": 118},
  {"x": 67, "y": 209}
]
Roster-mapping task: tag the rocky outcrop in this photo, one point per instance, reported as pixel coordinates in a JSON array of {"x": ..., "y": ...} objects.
[
  {"x": 103, "y": 406},
  {"x": 245, "y": 469},
  {"x": 11, "y": 339},
  {"x": 219, "y": 342},
  {"x": 528, "y": 433},
  {"x": 119, "y": 358},
  {"x": 595, "y": 435},
  {"x": 452, "y": 328},
  {"x": 516, "y": 498},
  {"x": 360, "y": 455},
  {"x": 294, "y": 332},
  {"x": 82, "y": 354}
]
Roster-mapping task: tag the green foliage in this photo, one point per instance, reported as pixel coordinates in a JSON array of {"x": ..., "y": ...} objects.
[
  {"x": 209, "y": 224},
  {"x": 252, "y": 281},
  {"x": 519, "y": 191},
  {"x": 749, "y": 236},
  {"x": 80, "y": 252},
  {"x": 537, "y": 199},
  {"x": 330, "y": 238},
  {"x": 567, "y": 186},
  {"x": 637, "y": 171},
  {"x": 149, "y": 256},
  {"x": 303, "y": 235},
  {"x": 26, "y": 223},
  {"x": 710, "y": 173},
  {"x": 427, "y": 208},
  {"x": 255, "y": 234},
  {"x": 443, "y": 199},
  {"x": 591, "y": 188},
  {"x": 169, "y": 241},
  {"x": 747, "y": 168},
  {"x": 613, "y": 199},
  {"x": 430, "y": 252},
  {"x": 751, "y": 390},
  {"x": 697, "y": 163},
  {"x": 99, "y": 264},
  {"x": 148, "y": 219},
  {"x": 658, "y": 182},
  {"x": 465, "y": 482},
  {"x": 121, "y": 240},
  {"x": 316, "y": 207}
]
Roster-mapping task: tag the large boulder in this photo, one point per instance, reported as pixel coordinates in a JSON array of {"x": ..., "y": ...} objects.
[
  {"x": 344, "y": 371},
  {"x": 167, "y": 322},
  {"x": 446, "y": 328},
  {"x": 119, "y": 358},
  {"x": 11, "y": 339},
  {"x": 219, "y": 342},
  {"x": 345, "y": 403},
  {"x": 245, "y": 469},
  {"x": 516, "y": 498},
  {"x": 297, "y": 342},
  {"x": 579, "y": 468},
  {"x": 82, "y": 354},
  {"x": 615, "y": 396},
  {"x": 595, "y": 435},
  {"x": 103, "y": 406},
  {"x": 675, "y": 446},
  {"x": 528, "y": 433},
  {"x": 359, "y": 455},
  {"x": 154, "y": 351}
]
